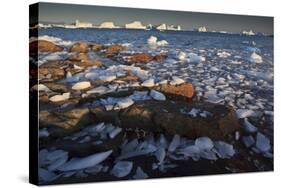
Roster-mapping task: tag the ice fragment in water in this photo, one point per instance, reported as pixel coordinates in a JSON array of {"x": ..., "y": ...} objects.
[
  {"x": 174, "y": 144},
  {"x": 157, "y": 95},
  {"x": 122, "y": 168},
  {"x": 140, "y": 174},
  {"x": 255, "y": 58},
  {"x": 59, "y": 98},
  {"x": 204, "y": 143},
  {"x": 248, "y": 141},
  {"x": 148, "y": 83},
  {"x": 81, "y": 85},
  {"x": 248, "y": 127},
  {"x": 262, "y": 143},
  {"x": 224, "y": 150}
]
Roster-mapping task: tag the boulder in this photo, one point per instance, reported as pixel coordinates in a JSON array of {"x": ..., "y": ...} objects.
[
  {"x": 144, "y": 58},
  {"x": 56, "y": 73},
  {"x": 172, "y": 118},
  {"x": 185, "y": 90},
  {"x": 43, "y": 46},
  {"x": 81, "y": 47},
  {"x": 96, "y": 47},
  {"x": 62, "y": 122},
  {"x": 113, "y": 50}
]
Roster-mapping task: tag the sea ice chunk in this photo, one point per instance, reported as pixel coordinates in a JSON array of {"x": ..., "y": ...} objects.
[
  {"x": 174, "y": 144},
  {"x": 100, "y": 90},
  {"x": 194, "y": 112},
  {"x": 152, "y": 40},
  {"x": 157, "y": 95},
  {"x": 194, "y": 58},
  {"x": 148, "y": 83},
  {"x": 81, "y": 85},
  {"x": 124, "y": 103},
  {"x": 46, "y": 175},
  {"x": 255, "y": 58},
  {"x": 182, "y": 56},
  {"x": 248, "y": 141},
  {"x": 176, "y": 81},
  {"x": 204, "y": 143},
  {"x": 108, "y": 78},
  {"x": 58, "y": 98},
  {"x": 244, "y": 113},
  {"x": 262, "y": 143},
  {"x": 122, "y": 168},
  {"x": 224, "y": 150},
  {"x": 42, "y": 87},
  {"x": 86, "y": 162},
  {"x": 115, "y": 132},
  {"x": 160, "y": 154}
]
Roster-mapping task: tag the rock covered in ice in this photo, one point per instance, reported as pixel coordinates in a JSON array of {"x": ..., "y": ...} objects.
[
  {"x": 176, "y": 81},
  {"x": 140, "y": 174},
  {"x": 81, "y": 85},
  {"x": 86, "y": 162},
  {"x": 148, "y": 83},
  {"x": 59, "y": 98},
  {"x": 248, "y": 127},
  {"x": 224, "y": 150},
  {"x": 244, "y": 113},
  {"x": 204, "y": 143},
  {"x": 122, "y": 169},
  {"x": 157, "y": 95},
  {"x": 255, "y": 58},
  {"x": 124, "y": 103},
  {"x": 262, "y": 143}
]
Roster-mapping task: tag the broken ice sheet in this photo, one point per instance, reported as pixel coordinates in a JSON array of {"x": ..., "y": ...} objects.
[
  {"x": 224, "y": 150},
  {"x": 122, "y": 169}
]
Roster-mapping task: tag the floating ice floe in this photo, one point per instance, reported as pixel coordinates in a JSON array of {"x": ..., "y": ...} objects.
[
  {"x": 59, "y": 98},
  {"x": 194, "y": 58},
  {"x": 152, "y": 40},
  {"x": 148, "y": 83},
  {"x": 122, "y": 169},
  {"x": 43, "y": 133},
  {"x": 244, "y": 113},
  {"x": 248, "y": 141},
  {"x": 157, "y": 95},
  {"x": 86, "y": 162},
  {"x": 81, "y": 85},
  {"x": 124, "y": 103},
  {"x": 140, "y": 174},
  {"x": 176, "y": 81},
  {"x": 248, "y": 127},
  {"x": 262, "y": 143},
  {"x": 160, "y": 154},
  {"x": 255, "y": 58}
]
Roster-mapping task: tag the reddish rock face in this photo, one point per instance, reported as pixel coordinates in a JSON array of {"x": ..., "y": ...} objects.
[
  {"x": 81, "y": 47},
  {"x": 185, "y": 90},
  {"x": 56, "y": 73},
  {"x": 114, "y": 50},
  {"x": 44, "y": 46},
  {"x": 139, "y": 58}
]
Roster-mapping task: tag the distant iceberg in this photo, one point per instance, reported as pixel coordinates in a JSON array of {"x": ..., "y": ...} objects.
[
  {"x": 108, "y": 25},
  {"x": 135, "y": 25}
]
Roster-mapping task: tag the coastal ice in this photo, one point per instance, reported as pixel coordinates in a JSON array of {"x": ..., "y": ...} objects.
[
  {"x": 81, "y": 85},
  {"x": 244, "y": 113},
  {"x": 176, "y": 81},
  {"x": 122, "y": 169},
  {"x": 194, "y": 58},
  {"x": 157, "y": 95},
  {"x": 248, "y": 141},
  {"x": 204, "y": 143},
  {"x": 182, "y": 56},
  {"x": 86, "y": 162},
  {"x": 174, "y": 144},
  {"x": 124, "y": 103},
  {"x": 152, "y": 40},
  {"x": 224, "y": 150},
  {"x": 140, "y": 174},
  {"x": 58, "y": 98},
  {"x": 248, "y": 127}
]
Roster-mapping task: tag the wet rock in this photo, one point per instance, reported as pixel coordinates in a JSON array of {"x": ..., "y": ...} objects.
[
  {"x": 57, "y": 87},
  {"x": 166, "y": 117},
  {"x": 96, "y": 47},
  {"x": 62, "y": 122},
  {"x": 80, "y": 47},
  {"x": 79, "y": 57},
  {"x": 185, "y": 90},
  {"x": 44, "y": 46},
  {"x": 144, "y": 58},
  {"x": 56, "y": 73},
  {"x": 113, "y": 50}
]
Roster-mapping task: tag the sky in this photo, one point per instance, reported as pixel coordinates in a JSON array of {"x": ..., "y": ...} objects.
[{"x": 68, "y": 13}]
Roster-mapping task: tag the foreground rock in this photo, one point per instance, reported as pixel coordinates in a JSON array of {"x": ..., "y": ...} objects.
[
  {"x": 80, "y": 47},
  {"x": 61, "y": 122},
  {"x": 206, "y": 119},
  {"x": 44, "y": 46},
  {"x": 143, "y": 58},
  {"x": 184, "y": 90}
]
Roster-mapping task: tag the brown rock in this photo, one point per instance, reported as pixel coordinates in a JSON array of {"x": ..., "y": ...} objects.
[
  {"x": 57, "y": 87},
  {"x": 159, "y": 57},
  {"x": 79, "y": 57},
  {"x": 139, "y": 58},
  {"x": 172, "y": 118},
  {"x": 43, "y": 46},
  {"x": 114, "y": 50},
  {"x": 56, "y": 73},
  {"x": 82, "y": 47},
  {"x": 96, "y": 47},
  {"x": 61, "y": 122},
  {"x": 185, "y": 90}
]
